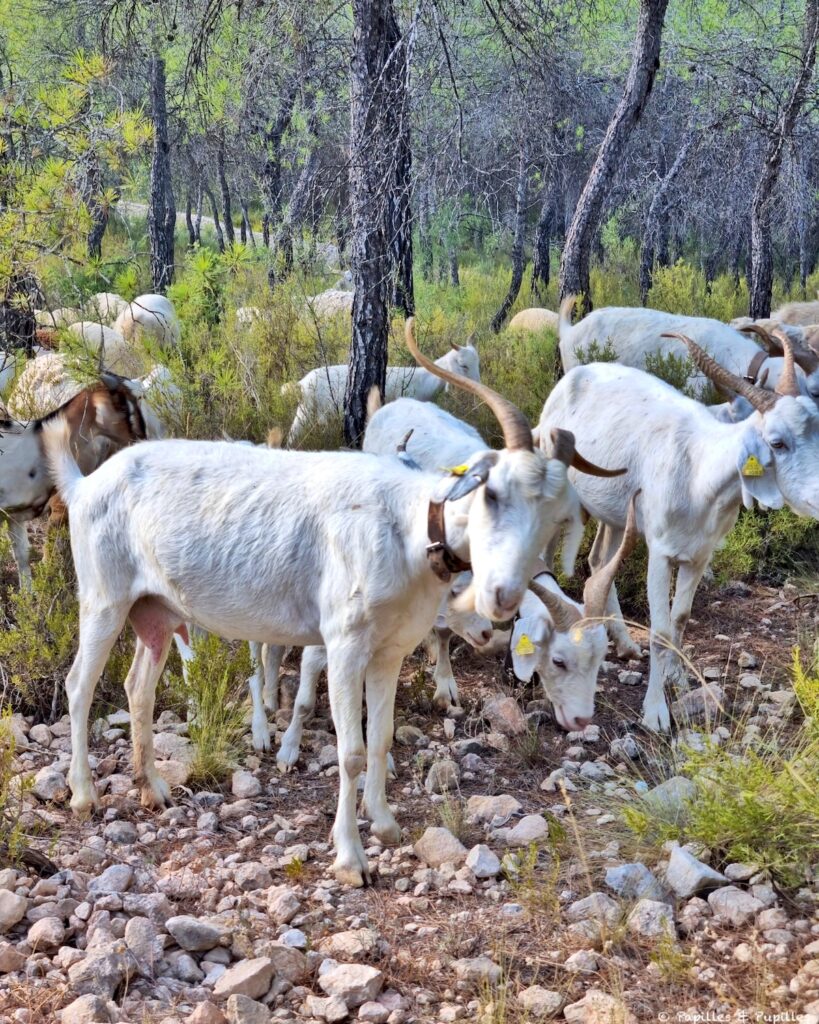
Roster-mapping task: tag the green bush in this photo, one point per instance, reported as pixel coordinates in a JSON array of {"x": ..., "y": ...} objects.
[{"x": 769, "y": 546}]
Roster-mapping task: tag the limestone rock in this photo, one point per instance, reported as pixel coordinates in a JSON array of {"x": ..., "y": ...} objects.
[
  {"x": 704, "y": 702},
  {"x": 443, "y": 776},
  {"x": 115, "y": 879},
  {"x": 596, "y": 907},
  {"x": 193, "y": 934},
  {"x": 355, "y": 944},
  {"x": 530, "y": 829},
  {"x": 46, "y": 935},
  {"x": 438, "y": 846},
  {"x": 12, "y": 909},
  {"x": 251, "y": 978},
  {"x": 489, "y": 808},
  {"x": 505, "y": 716},
  {"x": 483, "y": 862},
  {"x": 475, "y": 972},
  {"x": 651, "y": 919},
  {"x": 242, "y": 1010},
  {"x": 353, "y": 983},
  {"x": 687, "y": 876},
  {"x": 540, "y": 1003},
  {"x": 670, "y": 800},
  {"x": 598, "y": 1007},
  {"x": 245, "y": 785},
  {"x": 206, "y": 1013},
  {"x": 89, "y": 1009},
  {"x": 101, "y": 973},
  {"x": 733, "y": 906},
  {"x": 50, "y": 785},
  {"x": 10, "y": 959},
  {"x": 283, "y": 904},
  {"x": 252, "y": 876},
  {"x": 633, "y": 882}
]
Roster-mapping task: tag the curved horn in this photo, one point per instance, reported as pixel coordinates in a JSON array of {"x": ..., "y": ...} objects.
[
  {"x": 455, "y": 346},
  {"x": 517, "y": 433},
  {"x": 598, "y": 585},
  {"x": 564, "y": 450},
  {"x": 803, "y": 356},
  {"x": 564, "y": 615},
  {"x": 787, "y": 384},
  {"x": 761, "y": 400},
  {"x": 402, "y": 447},
  {"x": 767, "y": 341}
]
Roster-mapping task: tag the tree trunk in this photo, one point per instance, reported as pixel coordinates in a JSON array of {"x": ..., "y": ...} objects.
[
  {"x": 189, "y": 220},
  {"x": 247, "y": 227},
  {"x": 425, "y": 235},
  {"x": 762, "y": 203},
  {"x": 217, "y": 227},
  {"x": 452, "y": 259},
  {"x": 574, "y": 266},
  {"x": 92, "y": 197},
  {"x": 499, "y": 318},
  {"x": 376, "y": 103},
  {"x": 399, "y": 202},
  {"x": 543, "y": 240},
  {"x": 225, "y": 190},
  {"x": 296, "y": 211},
  {"x": 655, "y": 233},
  {"x": 272, "y": 167},
  {"x": 161, "y": 208}
]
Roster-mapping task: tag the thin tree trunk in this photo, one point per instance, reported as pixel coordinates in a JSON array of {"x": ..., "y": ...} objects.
[
  {"x": 575, "y": 264},
  {"x": 543, "y": 241},
  {"x": 161, "y": 207},
  {"x": 246, "y": 225},
  {"x": 425, "y": 235},
  {"x": 399, "y": 204},
  {"x": 499, "y": 318},
  {"x": 225, "y": 190},
  {"x": 762, "y": 203},
  {"x": 296, "y": 211},
  {"x": 189, "y": 220},
  {"x": 272, "y": 167},
  {"x": 374, "y": 106},
  {"x": 92, "y": 197},
  {"x": 217, "y": 227},
  {"x": 452, "y": 259}
]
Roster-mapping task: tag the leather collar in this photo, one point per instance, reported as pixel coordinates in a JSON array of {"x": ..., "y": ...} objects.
[
  {"x": 442, "y": 559},
  {"x": 753, "y": 367}
]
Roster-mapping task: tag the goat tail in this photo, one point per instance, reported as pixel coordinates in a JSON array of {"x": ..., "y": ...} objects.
[
  {"x": 565, "y": 316},
  {"x": 63, "y": 465},
  {"x": 374, "y": 402}
]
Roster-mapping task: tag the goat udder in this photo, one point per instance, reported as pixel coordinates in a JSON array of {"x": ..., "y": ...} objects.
[{"x": 154, "y": 624}]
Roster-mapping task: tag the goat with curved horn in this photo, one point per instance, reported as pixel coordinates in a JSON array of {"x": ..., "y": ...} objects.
[
  {"x": 805, "y": 358},
  {"x": 787, "y": 384},
  {"x": 598, "y": 585},
  {"x": 760, "y": 399},
  {"x": 564, "y": 613}
]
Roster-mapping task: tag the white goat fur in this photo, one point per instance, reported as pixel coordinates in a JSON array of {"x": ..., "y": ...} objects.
[
  {"x": 226, "y": 536},
  {"x": 802, "y": 313},
  {"x": 151, "y": 317},
  {"x": 330, "y": 303},
  {"x": 107, "y": 306},
  {"x": 635, "y": 333},
  {"x": 534, "y": 319},
  {"x": 688, "y": 466},
  {"x": 322, "y": 389}
]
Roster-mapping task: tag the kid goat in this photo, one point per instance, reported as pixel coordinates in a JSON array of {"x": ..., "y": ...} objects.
[{"x": 337, "y": 548}]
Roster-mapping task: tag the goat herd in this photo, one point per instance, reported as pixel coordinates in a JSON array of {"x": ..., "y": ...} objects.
[{"x": 357, "y": 556}]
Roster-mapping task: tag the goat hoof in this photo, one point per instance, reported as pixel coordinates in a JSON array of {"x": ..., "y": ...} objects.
[
  {"x": 657, "y": 720},
  {"x": 388, "y": 833},
  {"x": 85, "y": 805},
  {"x": 156, "y": 795},
  {"x": 628, "y": 650},
  {"x": 261, "y": 740},
  {"x": 355, "y": 874},
  {"x": 284, "y": 767}
]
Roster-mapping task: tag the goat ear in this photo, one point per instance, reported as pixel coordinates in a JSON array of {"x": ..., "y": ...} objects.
[
  {"x": 755, "y": 464},
  {"x": 472, "y": 477},
  {"x": 528, "y": 633}
]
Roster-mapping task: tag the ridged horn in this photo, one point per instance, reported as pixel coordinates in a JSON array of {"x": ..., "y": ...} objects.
[
  {"x": 598, "y": 585},
  {"x": 767, "y": 341},
  {"x": 517, "y": 433},
  {"x": 564, "y": 615},
  {"x": 760, "y": 399},
  {"x": 804, "y": 357},
  {"x": 564, "y": 450},
  {"x": 787, "y": 384}
]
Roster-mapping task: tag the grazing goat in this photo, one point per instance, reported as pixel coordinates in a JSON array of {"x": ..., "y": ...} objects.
[
  {"x": 565, "y": 642},
  {"x": 94, "y": 418},
  {"x": 473, "y": 628},
  {"x": 694, "y": 473},
  {"x": 341, "y": 549},
  {"x": 636, "y": 333},
  {"x": 322, "y": 390},
  {"x": 801, "y": 313},
  {"x": 534, "y": 319},
  {"x": 150, "y": 317},
  {"x": 62, "y": 317},
  {"x": 107, "y": 306}
]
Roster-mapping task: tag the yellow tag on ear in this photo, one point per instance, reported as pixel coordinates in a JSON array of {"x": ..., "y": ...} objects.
[
  {"x": 753, "y": 467},
  {"x": 524, "y": 645},
  {"x": 577, "y": 636},
  {"x": 455, "y": 470}
]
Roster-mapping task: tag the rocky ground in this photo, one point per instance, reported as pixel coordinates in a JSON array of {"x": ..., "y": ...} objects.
[{"x": 517, "y": 894}]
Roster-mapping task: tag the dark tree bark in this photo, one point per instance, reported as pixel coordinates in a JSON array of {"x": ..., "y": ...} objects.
[
  {"x": 17, "y": 315},
  {"x": 225, "y": 190},
  {"x": 272, "y": 167},
  {"x": 399, "y": 203},
  {"x": 574, "y": 266},
  {"x": 376, "y": 100},
  {"x": 296, "y": 211},
  {"x": 655, "y": 233},
  {"x": 425, "y": 235},
  {"x": 189, "y": 220},
  {"x": 247, "y": 227},
  {"x": 543, "y": 241},
  {"x": 217, "y": 227},
  {"x": 499, "y": 318},
  {"x": 200, "y": 202},
  {"x": 92, "y": 197},
  {"x": 452, "y": 259},
  {"x": 161, "y": 207},
  {"x": 762, "y": 203}
]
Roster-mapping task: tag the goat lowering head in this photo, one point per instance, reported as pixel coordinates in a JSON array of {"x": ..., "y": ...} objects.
[
  {"x": 462, "y": 359},
  {"x": 510, "y": 492},
  {"x": 474, "y": 628},
  {"x": 780, "y": 448},
  {"x": 564, "y": 642}
]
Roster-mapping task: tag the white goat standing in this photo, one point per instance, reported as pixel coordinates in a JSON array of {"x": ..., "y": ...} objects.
[
  {"x": 292, "y": 548},
  {"x": 694, "y": 473},
  {"x": 322, "y": 389}
]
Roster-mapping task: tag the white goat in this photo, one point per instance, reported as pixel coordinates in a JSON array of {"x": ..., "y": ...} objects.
[
  {"x": 322, "y": 389},
  {"x": 565, "y": 642},
  {"x": 534, "y": 319},
  {"x": 451, "y": 618},
  {"x": 293, "y": 548},
  {"x": 95, "y": 417},
  {"x": 330, "y": 303},
  {"x": 694, "y": 473},
  {"x": 150, "y": 317},
  {"x": 803, "y": 313},
  {"x": 107, "y": 306},
  {"x": 634, "y": 334}
]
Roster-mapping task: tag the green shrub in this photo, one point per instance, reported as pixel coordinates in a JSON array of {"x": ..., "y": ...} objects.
[
  {"x": 13, "y": 841},
  {"x": 674, "y": 370},
  {"x": 769, "y": 546},
  {"x": 594, "y": 352}
]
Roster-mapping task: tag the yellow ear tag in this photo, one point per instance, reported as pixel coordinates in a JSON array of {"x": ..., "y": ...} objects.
[
  {"x": 753, "y": 467},
  {"x": 577, "y": 636},
  {"x": 456, "y": 470},
  {"x": 524, "y": 645}
]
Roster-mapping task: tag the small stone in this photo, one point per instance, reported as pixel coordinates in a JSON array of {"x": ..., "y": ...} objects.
[
  {"x": 439, "y": 846},
  {"x": 242, "y": 1010},
  {"x": 374, "y": 1013},
  {"x": 175, "y": 773},
  {"x": 584, "y": 961},
  {"x": 738, "y": 872},
  {"x": 123, "y": 833},
  {"x": 596, "y": 907},
  {"x": 143, "y": 939},
  {"x": 288, "y": 963},
  {"x": 50, "y": 785},
  {"x": 101, "y": 973},
  {"x": 633, "y": 881},
  {"x": 116, "y": 878},
  {"x": 295, "y": 938},
  {"x": 245, "y": 785},
  {"x": 530, "y": 829},
  {"x": 750, "y": 681},
  {"x": 704, "y": 702},
  {"x": 41, "y": 734},
  {"x": 408, "y": 735},
  {"x": 489, "y": 808},
  {"x": 476, "y": 972},
  {"x": 170, "y": 746},
  {"x": 443, "y": 776},
  {"x": 734, "y": 906},
  {"x": 625, "y": 747},
  {"x": 651, "y": 919},
  {"x": 505, "y": 716},
  {"x": 46, "y": 935},
  {"x": 206, "y": 1013},
  {"x": 353, "y": 983},
  {"x": 540, "y": 1002},
  {"x": 687, "y": 876},
  {"x": 89, "y": 1009},
  {"x": 598, "y": 1007},
  {"x": 283, "y": 904},
  {"x": 12, "y": 909},
  {"x": 250, "y": 978},
  {"x": 483, "y": 862},
  {"x": 331, "y": 1010},
  {"x": 355, "y": 944},
  {"x": 627, "y": 678},
  {"x": 192, "y": 934},
  {"x": 671, "y": 799},
  {"x": 328, "y": 756},
  {"x": 252, "y": 876},
  {"x": 747, "y": 660},
  {"x": 10, "y": 959}
]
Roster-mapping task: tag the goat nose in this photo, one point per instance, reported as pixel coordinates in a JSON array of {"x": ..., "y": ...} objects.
[
  {"x": 503, "y": 597},
  {"x": 486, "y": 635}
]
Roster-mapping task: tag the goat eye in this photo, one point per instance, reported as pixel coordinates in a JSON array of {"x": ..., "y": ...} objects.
[
  {"x": 778, "y": 445},
  {"x": 558, "y": 662},
  {"x": 32, "y": 473},
  {"x": 490, "y": 495}
]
